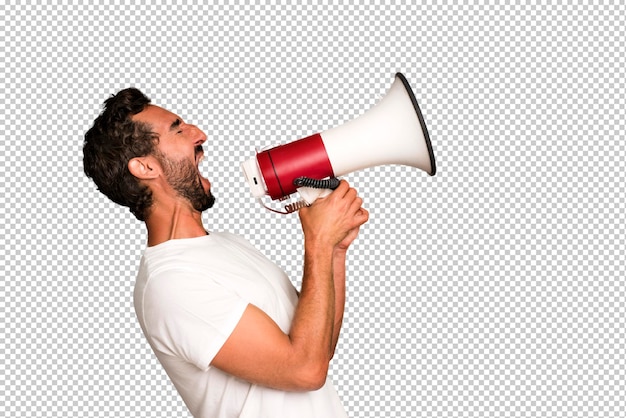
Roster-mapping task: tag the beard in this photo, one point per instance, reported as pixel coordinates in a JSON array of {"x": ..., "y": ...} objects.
[{"x": 184, "y": 178}]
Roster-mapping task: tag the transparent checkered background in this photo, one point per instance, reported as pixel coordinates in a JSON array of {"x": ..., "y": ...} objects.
[{"x": 494, "y": 289}]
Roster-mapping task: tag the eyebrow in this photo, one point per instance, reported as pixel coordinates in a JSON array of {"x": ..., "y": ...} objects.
[{"x": 175, "y": 124}]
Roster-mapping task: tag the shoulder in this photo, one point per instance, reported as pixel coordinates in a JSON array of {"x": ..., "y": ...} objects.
[
  {"x": 165, "y": 287},
  {"x": 229, "y": 237}
]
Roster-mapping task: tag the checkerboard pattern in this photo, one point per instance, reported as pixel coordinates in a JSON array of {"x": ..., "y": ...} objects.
[{"x": 494, "y": 289}]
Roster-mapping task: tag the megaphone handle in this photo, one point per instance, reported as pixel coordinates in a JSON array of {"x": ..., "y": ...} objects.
[
  {"x": 310, "y": 195},
  {"x": 312, "y": 189}
]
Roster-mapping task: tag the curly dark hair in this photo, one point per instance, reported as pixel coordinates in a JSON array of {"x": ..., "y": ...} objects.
[{"x": 112, "y": 141}]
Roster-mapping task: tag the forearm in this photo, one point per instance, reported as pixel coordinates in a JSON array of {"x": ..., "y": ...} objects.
[
  {"x": 329, "y": 224},
  {"x": 339, "y": 281},
  {"x": 313, "y": 323}
]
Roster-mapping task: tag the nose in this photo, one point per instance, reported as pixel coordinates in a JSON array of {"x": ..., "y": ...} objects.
[{"x": 198, "y": 136}]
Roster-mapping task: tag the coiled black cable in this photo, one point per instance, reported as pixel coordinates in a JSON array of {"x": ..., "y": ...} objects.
[{"x": 331, "y": 183}]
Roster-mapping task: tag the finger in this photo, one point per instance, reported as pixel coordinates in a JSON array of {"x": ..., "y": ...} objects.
[
  {"x": 342, "y": 189},
  {"x": 356, "y": 204},
  {"x": 343, "y": 198},
  {"x": 362, "y": 216},
  {"x": 351, "y": 193}
]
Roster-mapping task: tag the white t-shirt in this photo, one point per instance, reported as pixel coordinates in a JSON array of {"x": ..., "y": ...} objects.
[{"x": 189, "y": 297}]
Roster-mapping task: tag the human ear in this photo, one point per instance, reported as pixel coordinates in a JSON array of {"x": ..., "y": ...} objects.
[{"x": 144, "y": 168}]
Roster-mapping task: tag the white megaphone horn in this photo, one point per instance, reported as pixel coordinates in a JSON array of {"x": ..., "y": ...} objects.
[{"x": 392, "y": 132}]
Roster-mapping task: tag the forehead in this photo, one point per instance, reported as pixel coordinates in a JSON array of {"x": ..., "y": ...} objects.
[{"x": 158, "y": 118}]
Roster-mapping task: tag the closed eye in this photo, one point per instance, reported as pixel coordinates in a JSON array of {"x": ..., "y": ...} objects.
[{"x": 176, "y": 125}]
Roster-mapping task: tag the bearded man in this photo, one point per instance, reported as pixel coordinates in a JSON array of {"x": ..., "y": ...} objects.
[{"x": 231, "y": 331}]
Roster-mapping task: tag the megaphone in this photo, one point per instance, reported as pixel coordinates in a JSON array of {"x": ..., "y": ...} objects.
[{"x": 392, "y": 132}]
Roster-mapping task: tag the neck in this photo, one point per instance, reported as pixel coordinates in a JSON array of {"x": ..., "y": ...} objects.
[{"x": 175, "y": 222}]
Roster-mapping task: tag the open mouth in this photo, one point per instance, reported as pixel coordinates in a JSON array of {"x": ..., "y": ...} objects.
[{"x": 199, "y": 154}]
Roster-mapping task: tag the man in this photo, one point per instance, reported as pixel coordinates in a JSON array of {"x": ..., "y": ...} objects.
[{"x": 227, "y": 325}]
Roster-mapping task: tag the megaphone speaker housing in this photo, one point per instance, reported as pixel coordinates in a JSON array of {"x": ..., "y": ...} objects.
[{"x": 392, "y": 132}]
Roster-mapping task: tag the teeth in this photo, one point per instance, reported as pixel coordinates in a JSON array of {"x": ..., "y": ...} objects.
[{"x": 199, "y": 159}]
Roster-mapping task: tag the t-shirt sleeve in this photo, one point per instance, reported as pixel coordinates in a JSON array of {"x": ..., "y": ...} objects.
[{"x": 190, "y": 316}]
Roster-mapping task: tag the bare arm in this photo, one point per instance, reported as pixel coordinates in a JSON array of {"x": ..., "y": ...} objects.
[
  {"x": 339, "y": 279},
  {"x": 257, "y": 350}
]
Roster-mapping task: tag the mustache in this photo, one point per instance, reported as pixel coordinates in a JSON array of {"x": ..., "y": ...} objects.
[{"x": 198, "y": 149}]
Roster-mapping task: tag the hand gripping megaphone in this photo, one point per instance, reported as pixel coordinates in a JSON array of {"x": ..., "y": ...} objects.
[{"x": 392, "y": 132}]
